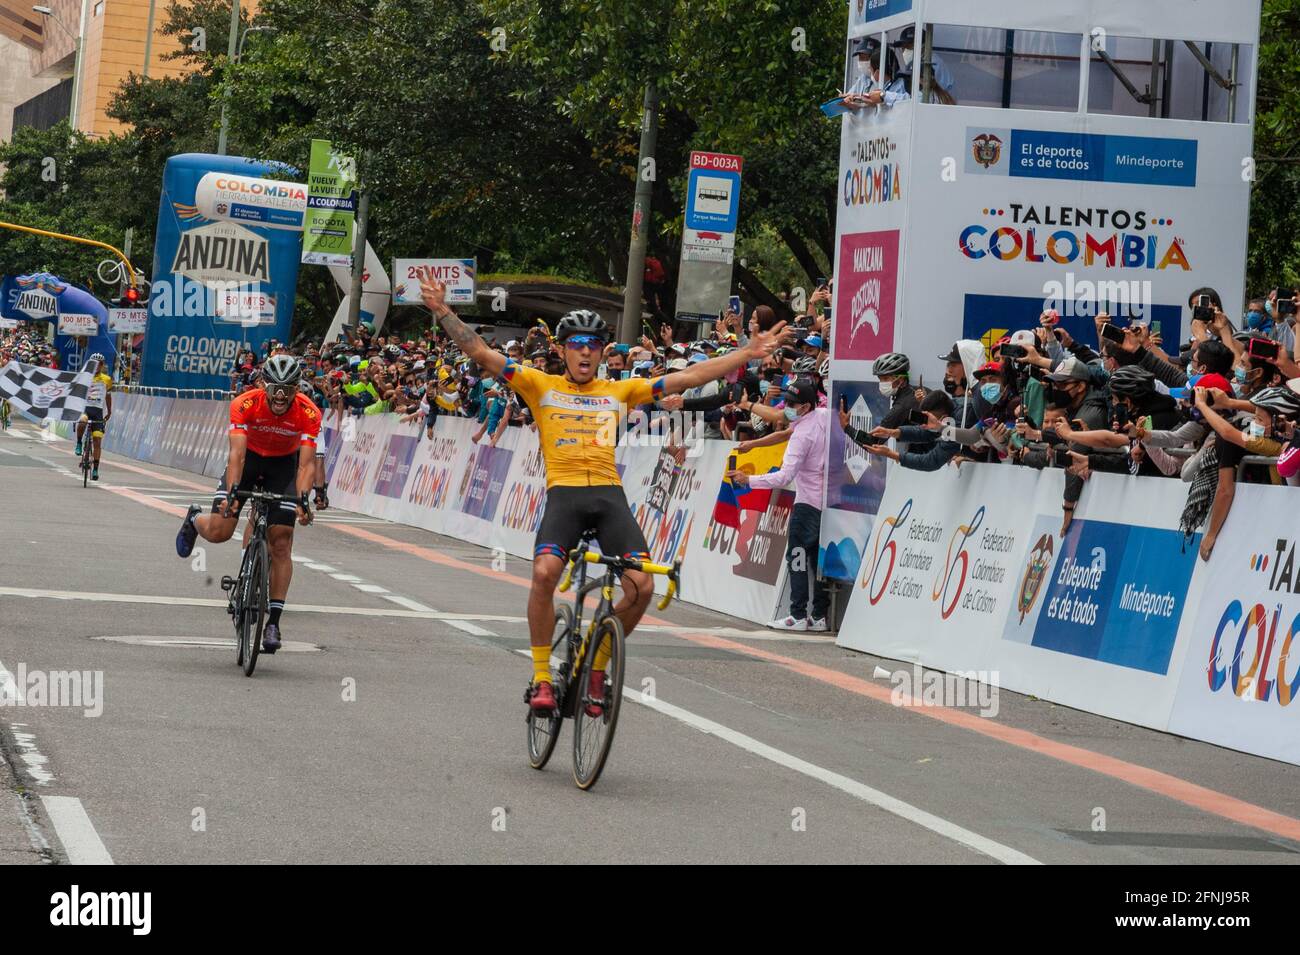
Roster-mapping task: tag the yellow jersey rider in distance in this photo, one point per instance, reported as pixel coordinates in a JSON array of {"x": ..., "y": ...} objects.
[{"x": 577, "y": 416}]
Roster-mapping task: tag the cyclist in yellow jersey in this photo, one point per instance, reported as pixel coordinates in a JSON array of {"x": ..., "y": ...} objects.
[
  {"x": 99, "y": 408},
  {"x": 577, "y": 417}
]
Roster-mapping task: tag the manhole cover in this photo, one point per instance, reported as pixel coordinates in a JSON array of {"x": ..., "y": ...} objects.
[{"x": 203, "y": 643}]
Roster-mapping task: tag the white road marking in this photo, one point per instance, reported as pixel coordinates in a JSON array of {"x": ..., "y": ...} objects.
[
  {"x": 371, "y": 588},
  {"x": 904, "y": 810},
  {"x": 347, "y": 578},
  {"x": 410, "y": 604},
  {"x": 321, "y": 567},
  {"x": 470, "y": 628},
  {"x": 414, "y": 610},
  {"x": 290, "y": 646},
  {"x": 75, "y": 830},
  {"x": 35, "y": 763}
]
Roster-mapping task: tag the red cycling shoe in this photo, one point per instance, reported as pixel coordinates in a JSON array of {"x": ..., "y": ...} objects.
[
  {"x": 596, "y": 694},
  {"x": 542, "y": 698}
]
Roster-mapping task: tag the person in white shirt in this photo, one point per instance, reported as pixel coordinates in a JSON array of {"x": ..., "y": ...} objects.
[{"x": 943, "y": 88}]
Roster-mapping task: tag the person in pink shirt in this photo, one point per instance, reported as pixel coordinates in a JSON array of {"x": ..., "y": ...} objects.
[{"x": 805, "y": 464}]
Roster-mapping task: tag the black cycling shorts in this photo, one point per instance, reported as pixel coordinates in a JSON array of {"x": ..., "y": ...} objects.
[
  {"x": 95, "y": 421},
  {"x": 572, "y": 510},
  {"x": 275, "y": 475}
]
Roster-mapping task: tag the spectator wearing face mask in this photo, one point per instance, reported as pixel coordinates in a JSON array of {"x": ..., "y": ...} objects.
[
  {"x": 804, "y": 464},
  {"x": 893, "y": 370},
  {"x": 943, "y": 88}
]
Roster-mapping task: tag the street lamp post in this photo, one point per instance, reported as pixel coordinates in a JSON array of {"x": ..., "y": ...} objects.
[{"x": 236, "y": 53}]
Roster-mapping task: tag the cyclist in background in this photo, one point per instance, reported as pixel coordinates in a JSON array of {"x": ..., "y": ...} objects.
[
  {"x": 273, "y": 434},
  {"x": 99, "y": 408}
]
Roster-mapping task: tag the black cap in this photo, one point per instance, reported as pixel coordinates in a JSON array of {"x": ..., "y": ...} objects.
[
  {"x": 801, "y": 391},
  {"x": 864, "y": 44},
  {"x": 952, "y": 355},
  {"x": 906, "y": 38}
]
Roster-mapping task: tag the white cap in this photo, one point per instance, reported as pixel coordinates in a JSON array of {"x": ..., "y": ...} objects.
[
  {"x": 678, "y": 364},
  {"x": 513, "y": 344},
  {"x": 1023, "y": 337}
]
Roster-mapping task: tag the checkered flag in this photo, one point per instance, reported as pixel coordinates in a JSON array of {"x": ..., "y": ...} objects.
[{"x": 46, "y": 393}]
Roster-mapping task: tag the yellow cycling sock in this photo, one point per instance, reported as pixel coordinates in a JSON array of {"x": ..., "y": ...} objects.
[
  {"x": 542, "y": 664},
  {"x": 602, "y": 655}
]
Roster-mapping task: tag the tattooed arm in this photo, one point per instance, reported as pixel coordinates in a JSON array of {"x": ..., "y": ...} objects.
[{"x": 434, "y": 295}]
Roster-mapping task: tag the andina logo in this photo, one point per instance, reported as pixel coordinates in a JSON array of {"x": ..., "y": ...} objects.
[
  {"x": 884, "y": 545},
  {"x": 943, "y": 586},
  {"x": 1254, "y": 684}
]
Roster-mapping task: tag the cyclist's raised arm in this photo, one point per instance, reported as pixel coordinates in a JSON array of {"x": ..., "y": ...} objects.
[
  {"x": 467, "y": 340},
  {"x": 759, "y": 347}
]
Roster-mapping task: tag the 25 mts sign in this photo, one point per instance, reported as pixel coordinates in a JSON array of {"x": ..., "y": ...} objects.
[{"x": 459, "y": 275}]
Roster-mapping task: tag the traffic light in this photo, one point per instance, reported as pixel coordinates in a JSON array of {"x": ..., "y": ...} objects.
[{"x": 132, "y": 297}]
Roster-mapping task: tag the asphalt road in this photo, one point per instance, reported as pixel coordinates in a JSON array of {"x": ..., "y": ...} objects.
[{"x": 396, "y": 734}]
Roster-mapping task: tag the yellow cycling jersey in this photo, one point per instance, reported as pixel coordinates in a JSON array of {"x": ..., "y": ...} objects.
[
  {"x": 99, "y": 388},
  {"x": 577, "y": 425}
]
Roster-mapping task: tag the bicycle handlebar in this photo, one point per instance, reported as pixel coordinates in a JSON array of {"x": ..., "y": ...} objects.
[{"x": 673, "y": 572}]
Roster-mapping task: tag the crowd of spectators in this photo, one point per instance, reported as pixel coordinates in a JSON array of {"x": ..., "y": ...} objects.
[
  {"x": 1218, "y": 409},
  {"x": 421, "y": 378},
  {"x": 26, "y": 344}
]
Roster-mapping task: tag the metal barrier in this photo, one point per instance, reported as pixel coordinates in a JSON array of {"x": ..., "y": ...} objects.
[{"x": 151, "y": 391}]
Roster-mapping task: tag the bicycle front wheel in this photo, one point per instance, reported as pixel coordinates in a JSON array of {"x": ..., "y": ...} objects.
[
  {"x": 85, "y": 468},
  {"x": 255, "y": 604},
  {"x": 543, "y": 729},
  {"x": 596, "y": 708}
]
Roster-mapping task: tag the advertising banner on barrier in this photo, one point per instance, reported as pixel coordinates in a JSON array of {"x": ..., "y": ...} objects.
[
  {"x": 967, "y": 571},
  {"x": 1239, "y": 684}
]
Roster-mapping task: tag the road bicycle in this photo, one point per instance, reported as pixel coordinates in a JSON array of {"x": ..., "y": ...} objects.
[
  {"x": 87, "y": 446},
  {"x": 594, "y": 720},
  {"x": 249, "y": 603}
]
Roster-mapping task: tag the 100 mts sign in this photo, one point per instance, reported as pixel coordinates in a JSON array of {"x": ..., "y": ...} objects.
[{"x": 723, "y": 162}]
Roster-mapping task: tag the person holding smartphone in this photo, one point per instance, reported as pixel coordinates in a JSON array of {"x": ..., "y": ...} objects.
[{"x": 893, "y": 370}]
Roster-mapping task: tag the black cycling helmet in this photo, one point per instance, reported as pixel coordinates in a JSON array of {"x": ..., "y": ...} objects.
[
  {"x": 281, "y": 370},
  {"x": 1276, "y": 399},
  {"x": 892, "y": 363},
  {"x": 581, "y": 321},
  {"x": 1132, "y": 381}
]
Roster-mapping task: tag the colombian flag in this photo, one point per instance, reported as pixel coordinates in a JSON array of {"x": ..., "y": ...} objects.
[{"x": 732, "y": 499}]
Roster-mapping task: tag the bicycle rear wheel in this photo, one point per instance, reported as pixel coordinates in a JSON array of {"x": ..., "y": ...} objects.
[
  {"x": 85, "y": 466},
  {"x": 255, "y": 605},
  {"x": 593, "y": 735},
  {"x": 543, "y": 730}
]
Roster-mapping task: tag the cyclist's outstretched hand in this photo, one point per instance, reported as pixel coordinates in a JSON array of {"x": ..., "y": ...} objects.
[
  {"x": 433, "y": 293},
  {"x": 762, "y": 344}
]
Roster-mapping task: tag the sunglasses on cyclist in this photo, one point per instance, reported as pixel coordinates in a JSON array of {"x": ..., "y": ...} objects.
[
  {"x": 281, "y": 392},
  {"x": 584, "y": 341}
]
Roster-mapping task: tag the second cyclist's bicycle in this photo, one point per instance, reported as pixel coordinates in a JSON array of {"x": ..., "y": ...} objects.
[
  {"x": 249, "y": 602},
  {"x": 595, "y": 716}
]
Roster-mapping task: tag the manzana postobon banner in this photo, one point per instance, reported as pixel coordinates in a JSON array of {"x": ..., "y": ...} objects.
[
  {"x": 331, "y": 205},
  {"x": 225, "y": 267}
]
